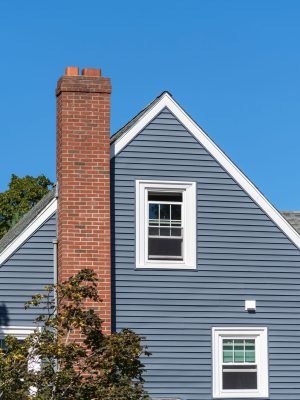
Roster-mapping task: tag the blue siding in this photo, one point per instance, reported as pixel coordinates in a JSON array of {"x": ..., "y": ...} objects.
[
  {"x": 241, "y": 254},
  {"x": 25, "y": 273}
]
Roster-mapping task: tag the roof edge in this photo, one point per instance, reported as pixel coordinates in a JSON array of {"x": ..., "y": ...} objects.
[
  {"x": 137, "y": 117},
  {"x": 28, "y": 224}
]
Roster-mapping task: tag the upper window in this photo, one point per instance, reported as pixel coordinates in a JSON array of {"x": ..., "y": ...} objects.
[
  {"x": 166, "y": 224},
  {"x": 240, "y": 362},
  {"x": 165, "y": 230}
]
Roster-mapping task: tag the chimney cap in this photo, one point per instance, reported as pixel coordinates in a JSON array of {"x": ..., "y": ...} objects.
[
  {"x": 72, "y": 71},
  {"x": 96, "y": 72}
]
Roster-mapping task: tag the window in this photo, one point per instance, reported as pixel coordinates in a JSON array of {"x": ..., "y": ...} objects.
[
  {"x": 165, "y": 230},
  {"x": 20, "y": 333},
  {"x": 166, "y": 224},
  {"x": 239, "y": 369},
  {"x": 240, "y": 362}
]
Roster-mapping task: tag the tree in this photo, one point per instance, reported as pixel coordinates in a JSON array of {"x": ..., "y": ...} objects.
[
  {"x": 21, "y": 196},
  {"x": 105, "y": 367}
]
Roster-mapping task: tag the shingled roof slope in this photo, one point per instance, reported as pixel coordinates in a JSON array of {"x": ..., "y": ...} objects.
[{"x": 293, "y": 218}]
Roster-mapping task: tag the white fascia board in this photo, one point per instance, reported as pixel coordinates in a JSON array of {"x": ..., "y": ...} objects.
[
  {"x": 42, "y": 217},
  {"x": 215, "y": 151}
]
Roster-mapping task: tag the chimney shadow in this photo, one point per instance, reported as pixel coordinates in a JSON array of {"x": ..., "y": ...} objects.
[
  {"x": 112, "y": 236},
  {"x": 4, "y": 318}
]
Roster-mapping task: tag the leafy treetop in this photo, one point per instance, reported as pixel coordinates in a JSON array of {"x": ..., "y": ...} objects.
[
  {"x": 21, "y": 196},
  {"x": 106, "y": 367}
]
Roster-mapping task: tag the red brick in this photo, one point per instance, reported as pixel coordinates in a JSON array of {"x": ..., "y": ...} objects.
[{"x": 83, "y": 175}]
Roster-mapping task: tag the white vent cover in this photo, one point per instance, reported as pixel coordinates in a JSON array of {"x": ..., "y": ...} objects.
[{"x": 250, "y": 305}]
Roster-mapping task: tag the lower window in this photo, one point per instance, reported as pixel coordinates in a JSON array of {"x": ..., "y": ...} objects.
[
  {"x": 240, "y": 362},
  {"x": 20, "y": 333}
]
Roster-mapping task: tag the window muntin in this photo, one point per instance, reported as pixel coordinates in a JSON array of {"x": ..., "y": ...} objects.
[
  {"x": 240, "y": 362},
  {"x": 165, "y": 228}
]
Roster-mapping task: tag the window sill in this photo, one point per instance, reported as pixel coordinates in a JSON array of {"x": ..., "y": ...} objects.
[
  {"x": 247, "y": 394},
  {"x": 166, "y": 265}
]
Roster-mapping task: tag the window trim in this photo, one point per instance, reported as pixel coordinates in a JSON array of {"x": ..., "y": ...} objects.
[
  {"x": 188, "y": 190},
  {"x": 20, "y": 332},
  {"x": 261, "y": 336}
]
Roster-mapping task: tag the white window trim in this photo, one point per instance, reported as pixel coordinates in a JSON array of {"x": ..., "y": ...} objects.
[
  {"x": 20, "y": 332},
  {"x": 189, "y": 220},
  {"x": 261, "y": 336}
]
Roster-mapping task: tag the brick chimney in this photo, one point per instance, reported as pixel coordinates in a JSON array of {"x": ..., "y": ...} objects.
[{"x": 83, "y": 175}]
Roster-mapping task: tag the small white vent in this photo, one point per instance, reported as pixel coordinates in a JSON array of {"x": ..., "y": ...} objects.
[{"x": 250, "y": 305}]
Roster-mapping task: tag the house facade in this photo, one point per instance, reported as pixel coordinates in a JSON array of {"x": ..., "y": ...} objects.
[{"x": 190, "y": 254}]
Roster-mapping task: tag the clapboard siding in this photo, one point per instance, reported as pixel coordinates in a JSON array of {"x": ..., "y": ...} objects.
[
  {"x": 25, "y": 273},
  {"x": 240, "y": 254}
]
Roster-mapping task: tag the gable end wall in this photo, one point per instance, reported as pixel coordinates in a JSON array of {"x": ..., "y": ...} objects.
[{"x": 25, "y": 273}]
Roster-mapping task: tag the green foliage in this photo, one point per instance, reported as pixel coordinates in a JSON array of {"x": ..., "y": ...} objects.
[
  {"x": 105, "y": 367},
  {"x": 21, "y": 196}
]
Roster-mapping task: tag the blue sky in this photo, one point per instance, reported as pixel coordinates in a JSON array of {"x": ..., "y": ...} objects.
[{"x": 233, "y": 65}]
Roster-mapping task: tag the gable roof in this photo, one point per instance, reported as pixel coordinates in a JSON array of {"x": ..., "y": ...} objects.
[
  {"x": 39, "y": 214},
  {"x": 27, "y": 225}
]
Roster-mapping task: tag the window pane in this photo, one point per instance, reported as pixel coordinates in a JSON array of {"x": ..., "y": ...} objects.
[
  {"x": 250, "y": 357},
  {"x": 176, "y": 231},
  {"x": 250, "y": 350},
  {"x": 176, "y": 212},
  {"x": 165, "y": 213},
  {"x": 239, "y": 351},
  {"x": 165, "y": 196},
  {"x": 239, "y": 377},
  {"x": 153, "y": 231},
  {"x": 165, "y": 232},
  {"x": 227, "y": 351},
  {"x": 164, "y": 248},
  {"x": 227, "y": 356},
  {"x": 153, "y": 211}
]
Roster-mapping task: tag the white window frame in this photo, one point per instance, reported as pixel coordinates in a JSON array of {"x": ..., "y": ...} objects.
[
  {"x": 21, "y": 333},
  {"x": 188, "y": 190},
  {"x": 261, "y": 352}
]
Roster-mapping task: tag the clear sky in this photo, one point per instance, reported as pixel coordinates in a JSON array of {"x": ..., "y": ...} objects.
[{"x": 234, "y": 65}]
